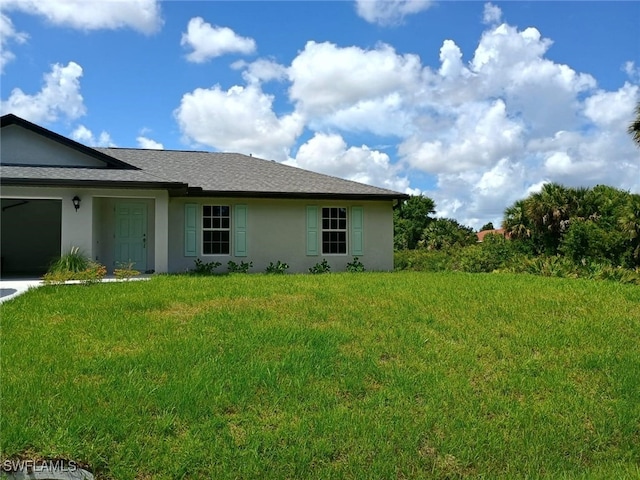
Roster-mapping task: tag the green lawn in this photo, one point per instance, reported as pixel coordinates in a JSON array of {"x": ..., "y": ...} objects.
[{"x": 397, "y": 375}]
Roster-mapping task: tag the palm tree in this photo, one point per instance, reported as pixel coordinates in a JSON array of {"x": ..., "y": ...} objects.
[
  {"x": 516, "y": 223},
  {"x": 549, "y": 211},
  {"x": 549, "y": 207},
  {"x": 410, "y": 220},
  {"x": 634, "y": 128},
  {"x": 630, "y": 223},
  {"x": 581, "y": 203}
]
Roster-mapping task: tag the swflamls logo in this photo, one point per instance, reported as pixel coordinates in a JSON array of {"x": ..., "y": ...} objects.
[{"x": 36, "y": 466}]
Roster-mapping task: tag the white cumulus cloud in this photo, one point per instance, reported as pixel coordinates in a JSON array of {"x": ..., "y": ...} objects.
[
  {"x": 141, "y": 15},
  {"x": 612, "y": 108},
  {"x": 59, "y": 97},
  {"x": 149, "y": 144},
  {"x": 389, "y": 12},
  {"x": 240, "y": 119},
  {"x": 210, "y": 41},
  {"x": 479, "y": 136},
  {"x": 262, "y": 70},
  {"x": 489, "y": 126},
  {"x": 498, "y": 127},
  {"x": 491, "y": 14},
  {"x": 326, "y": 78},
  {"x": 329, "y": 154},
  {"x": 8, "y": 34},
  {"x": 85, "y": 136},
  {"x": 632, "y": 70}
]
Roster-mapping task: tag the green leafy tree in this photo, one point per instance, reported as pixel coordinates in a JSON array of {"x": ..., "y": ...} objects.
[
  {"x": 487, "y": 226},
  {"x": 410, "y": 220},
  {"x": 607, "y": 205},
  {"x": 586, "y": 240},
  {"x": 446, "y": 233},
  {"x": 584, "y": 224}
]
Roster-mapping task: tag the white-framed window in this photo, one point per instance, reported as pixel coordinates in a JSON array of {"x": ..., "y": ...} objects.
[
  {"x": 216, "y": 229},
  {"x": 334, "y": 231}
]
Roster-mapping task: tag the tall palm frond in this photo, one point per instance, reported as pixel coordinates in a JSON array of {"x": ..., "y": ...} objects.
[{"x": 634, "y": 128}]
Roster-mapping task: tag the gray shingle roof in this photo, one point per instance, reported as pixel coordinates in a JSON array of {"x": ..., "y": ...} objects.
[
  {"x": 232, "y": 173},
  {"x": 12, "y": 174},
  {"x": 185, "y": 172}
]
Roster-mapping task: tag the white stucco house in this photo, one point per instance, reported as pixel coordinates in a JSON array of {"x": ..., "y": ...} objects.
[{"x": 163, "y": 209}]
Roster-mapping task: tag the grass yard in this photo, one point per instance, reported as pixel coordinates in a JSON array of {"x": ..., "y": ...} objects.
[{"x": 344, "y": 376}]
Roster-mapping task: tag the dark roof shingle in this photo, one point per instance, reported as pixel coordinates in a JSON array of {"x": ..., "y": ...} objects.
[
  {"x": 232, "y": 173},
  {"x": 12, "y": 175},
  {"x": 185, "y": 173}
]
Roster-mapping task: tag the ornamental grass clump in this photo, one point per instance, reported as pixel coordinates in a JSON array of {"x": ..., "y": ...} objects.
[{"x": 74, "y": 261}]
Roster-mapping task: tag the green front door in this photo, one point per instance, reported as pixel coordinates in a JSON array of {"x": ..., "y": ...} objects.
[{"x": 131, "y": 235}]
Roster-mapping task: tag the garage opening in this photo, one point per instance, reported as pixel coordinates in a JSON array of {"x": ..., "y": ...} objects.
[{"x": 31, "y": 236}]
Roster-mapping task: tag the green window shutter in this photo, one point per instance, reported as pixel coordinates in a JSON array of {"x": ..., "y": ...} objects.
[
  {"x": 240, "y": 229},
  {"x": 312, "y": 230},
  {"x": 357, "y": 231},
  {"x": 190, "y": 230}
]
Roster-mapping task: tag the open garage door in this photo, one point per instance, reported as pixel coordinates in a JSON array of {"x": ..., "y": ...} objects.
[{"x": 31, "y": 236}]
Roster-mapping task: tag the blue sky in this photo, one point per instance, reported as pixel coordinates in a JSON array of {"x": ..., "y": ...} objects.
[{"x": 474, "y": 104}]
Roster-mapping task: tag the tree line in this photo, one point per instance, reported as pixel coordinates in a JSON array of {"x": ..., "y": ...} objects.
[
  {"x": 582, "y": 225},
  {"x": 598, "y": 223}
]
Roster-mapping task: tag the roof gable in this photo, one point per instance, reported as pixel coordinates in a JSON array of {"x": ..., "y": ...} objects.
[{"x": 27, "y": 144}]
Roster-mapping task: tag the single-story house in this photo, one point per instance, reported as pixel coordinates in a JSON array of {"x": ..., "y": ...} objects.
[{"x": 163, "y": 209}]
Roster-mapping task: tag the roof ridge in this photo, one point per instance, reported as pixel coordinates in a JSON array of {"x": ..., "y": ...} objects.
[{"x": 159, "y": 150}]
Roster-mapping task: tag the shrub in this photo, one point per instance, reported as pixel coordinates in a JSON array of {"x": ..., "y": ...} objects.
[
  {"x": 548, "y": 266},
  {"x": 355, "y": 266},
  {"x": 422, "y": 260},
  {"x": 125, "y": 271},
  {"x": 277, "y": 268},
  {"x": 94, "y": 273},
  {"x": 74, "y": 266},
  {"x": 57, "y": 277},
  {"x": 243, "y": 267},
  {"x": 618, "y": 274},
  {"x": 321, "y": 267},
  {"x": 494, "y": 253},
  {"x": 588, "y": 241},
  {"x": 202, "y": 268},
  {"x": 475, "y": 260},
  {"x": 443, "y": 233}
]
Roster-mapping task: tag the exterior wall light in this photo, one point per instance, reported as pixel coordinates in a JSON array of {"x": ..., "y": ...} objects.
[{"x": 76, "y": 202}]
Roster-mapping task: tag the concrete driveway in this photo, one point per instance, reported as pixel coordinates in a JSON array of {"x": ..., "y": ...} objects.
[{"x": 12, "y": 288}]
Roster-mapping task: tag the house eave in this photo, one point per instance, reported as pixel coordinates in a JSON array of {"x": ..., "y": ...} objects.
[
  {"x": 197, "y": 192},
  {"x": 174, "y": 188}
]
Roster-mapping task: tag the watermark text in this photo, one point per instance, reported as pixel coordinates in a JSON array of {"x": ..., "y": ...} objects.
[{"x": 28, "y": 465}]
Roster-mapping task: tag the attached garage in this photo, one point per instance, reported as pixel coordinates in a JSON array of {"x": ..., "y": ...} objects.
[{"x": 31, "y": 235}]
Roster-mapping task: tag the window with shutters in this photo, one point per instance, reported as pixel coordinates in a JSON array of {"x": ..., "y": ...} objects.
[
  {"x": 334, "y": 230},
  {"x": 216, "y": 229}
]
